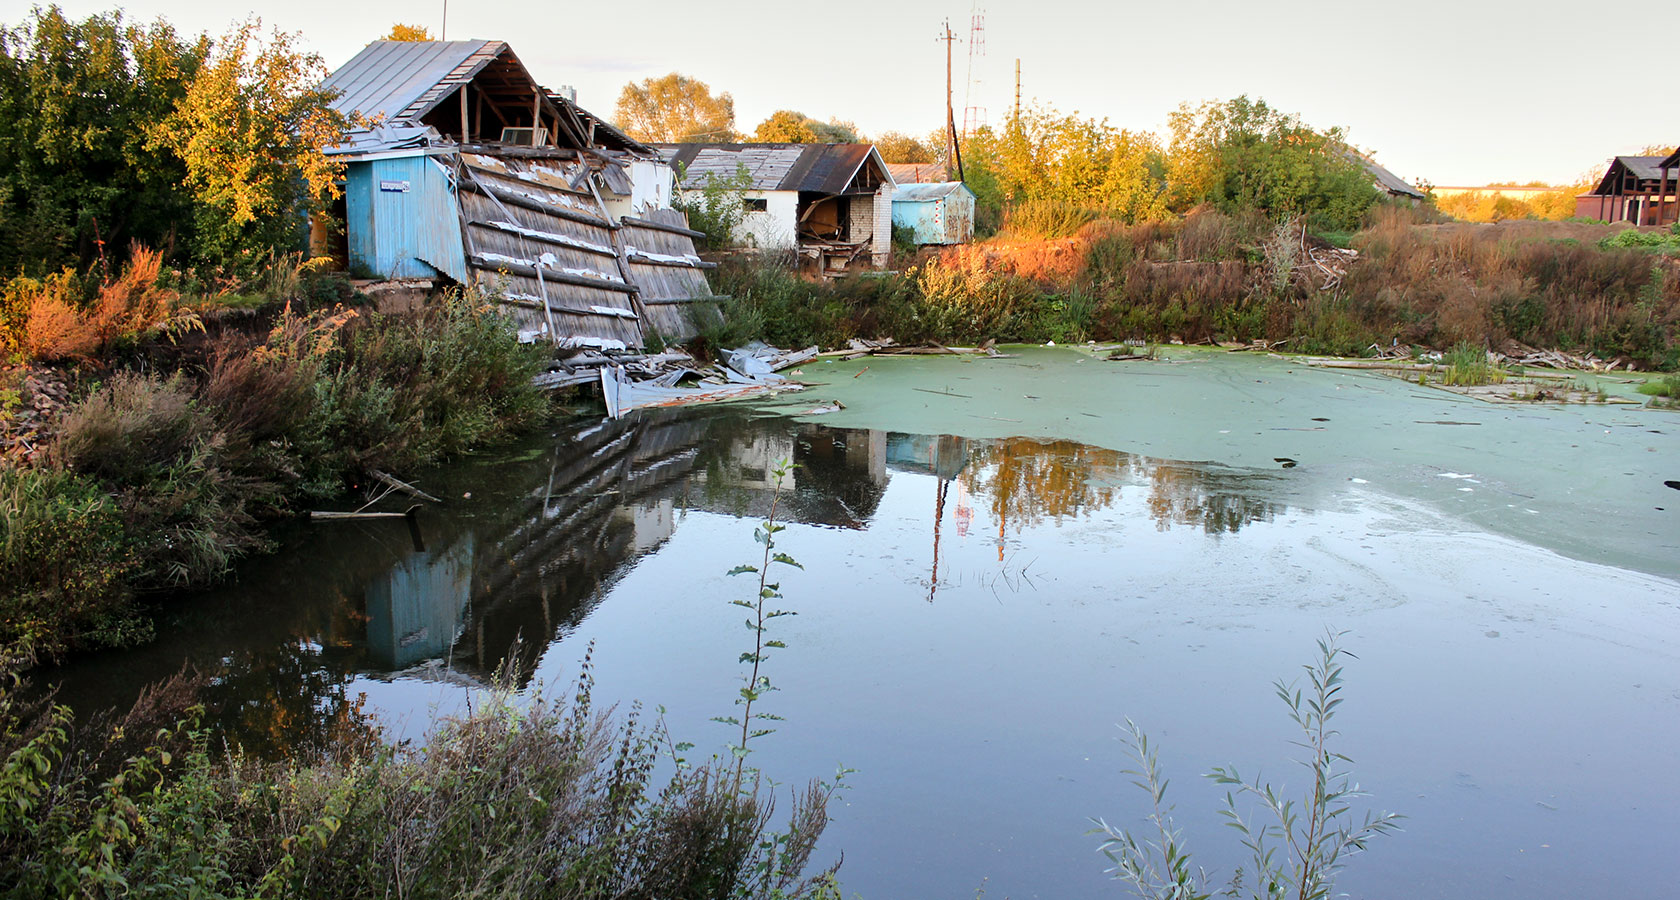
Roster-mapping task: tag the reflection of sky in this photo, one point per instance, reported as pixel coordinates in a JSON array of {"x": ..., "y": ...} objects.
[
  {"x": 1506, "y": 697},
  {"x": 1501, "y": 699}
]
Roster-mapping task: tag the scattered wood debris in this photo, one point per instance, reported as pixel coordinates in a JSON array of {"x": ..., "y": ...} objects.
[{"x": 32, "y": 399}]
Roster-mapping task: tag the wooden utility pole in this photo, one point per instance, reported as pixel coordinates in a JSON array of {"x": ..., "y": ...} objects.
[{"x": 953, "y": 151}]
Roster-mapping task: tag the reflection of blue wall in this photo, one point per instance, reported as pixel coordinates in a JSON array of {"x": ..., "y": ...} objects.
[
  {"x": 415, "y": 609},
  {"x": 402, "y": 219},
  {"x": 941, "y": 455}
]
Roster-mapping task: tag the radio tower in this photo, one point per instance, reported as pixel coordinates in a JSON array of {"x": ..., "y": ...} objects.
[{"x": 974, "y": 116}]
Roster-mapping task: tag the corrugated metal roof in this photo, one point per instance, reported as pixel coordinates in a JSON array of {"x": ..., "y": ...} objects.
[
  {"x": 817, "y": 168},
  {"x": 912, "y": 193},
  {"x": 387, "y": 78},
  {"x": 1385, "y": 179}
]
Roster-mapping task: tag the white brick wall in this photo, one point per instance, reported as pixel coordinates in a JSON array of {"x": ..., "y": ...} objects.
[{"x": 883, "y": 226}]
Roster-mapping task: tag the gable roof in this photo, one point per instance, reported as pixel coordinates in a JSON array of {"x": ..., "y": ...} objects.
[
  {"x": 925, "y": 191},
  {"x": 1642, "y": 168},
  {"x": 397, "y": 82},
  {"x": 816, "y": 168},
  {"x": 1672, "y": 161}
]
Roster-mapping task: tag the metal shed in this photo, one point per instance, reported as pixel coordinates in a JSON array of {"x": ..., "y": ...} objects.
[{"x": 938, "y": 213}]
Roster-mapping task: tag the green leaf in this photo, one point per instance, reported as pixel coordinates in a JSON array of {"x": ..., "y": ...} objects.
[{"x": 742, "y": 570}]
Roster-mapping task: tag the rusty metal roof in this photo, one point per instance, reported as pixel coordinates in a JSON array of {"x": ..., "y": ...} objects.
[
  {"x": 816, "y": 168},
  {"x": 917, "y": 173}
]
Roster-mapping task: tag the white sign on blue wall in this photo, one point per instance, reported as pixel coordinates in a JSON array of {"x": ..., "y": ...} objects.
[{"x": 394, "y": 187}]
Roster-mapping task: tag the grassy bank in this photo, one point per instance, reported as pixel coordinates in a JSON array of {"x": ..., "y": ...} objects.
[
  {"x": 181, "y": 443},
  {"x": 1213, "y": 276},
  {"x": 538, "y": 799}
]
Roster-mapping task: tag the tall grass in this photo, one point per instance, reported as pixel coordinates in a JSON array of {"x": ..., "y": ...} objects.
[
  {"x": 515, "y": 799},
  {"x": 1214, "y": 276}
]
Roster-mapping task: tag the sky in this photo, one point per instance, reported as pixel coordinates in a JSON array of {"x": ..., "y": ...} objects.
[{"x": 1457, "y": 92}]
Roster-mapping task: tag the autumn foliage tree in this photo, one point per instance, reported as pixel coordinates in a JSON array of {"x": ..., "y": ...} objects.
[
  {"x": 250, "y": 131},
  {"x": 1043, "y": 156},
  {"x": 674, "y": 109},
  {"x": 786, "y": 126},
  {"x": 898, "y": 147},
  {"x": 401, "y": 32}
]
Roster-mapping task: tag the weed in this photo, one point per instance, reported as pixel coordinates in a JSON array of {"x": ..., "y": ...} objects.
[
  {"x": 1470, "y": 366},
  {"x": 757, "y": 684},
  {"x": 1297, "y": 849}
]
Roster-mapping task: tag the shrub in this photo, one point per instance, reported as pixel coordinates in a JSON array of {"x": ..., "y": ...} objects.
[
  {"x": 535, "y": 799},
  {"x": 64, "y": 556}
]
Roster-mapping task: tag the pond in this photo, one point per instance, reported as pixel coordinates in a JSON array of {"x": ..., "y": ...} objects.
[{"x": 1006, "y": 558}]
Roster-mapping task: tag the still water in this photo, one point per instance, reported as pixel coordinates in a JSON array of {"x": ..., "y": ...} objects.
[{"x": 976, "y": 615}]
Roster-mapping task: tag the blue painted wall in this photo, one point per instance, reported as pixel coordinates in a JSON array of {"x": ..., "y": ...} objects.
[
  {"x": 402, "y": 219},
  {"x": 935, "y": 214}
]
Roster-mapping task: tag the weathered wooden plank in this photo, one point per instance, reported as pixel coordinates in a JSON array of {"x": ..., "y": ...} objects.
[
  {"x": 531, "y": 203},
  {"x": 642, "y": 259},
  {"x": 496, "y": 265},
  {"x": 661, "y": 226},
  {"x": 667, "y": 301}
]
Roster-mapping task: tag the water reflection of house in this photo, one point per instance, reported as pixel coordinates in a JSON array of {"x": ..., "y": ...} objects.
[
  {"x": 942, "y": 455},
  {"x": 414, "y": 610},
  {"x": 838, "y": 475}
]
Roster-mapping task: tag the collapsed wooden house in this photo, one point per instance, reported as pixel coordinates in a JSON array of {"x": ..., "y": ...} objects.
[
  {"x": 1643, "y": 190},
  {"x": 832, "y": 203},
  {"x": 460, "y": 166}
]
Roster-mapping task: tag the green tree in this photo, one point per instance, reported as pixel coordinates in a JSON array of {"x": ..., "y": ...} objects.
[
  {"x": 1243, "y": 154},
  {"x": 79, "y": 104},
  {"x": 401, "y": 32},
  {"x": 251, "y": 131},
  {"x": 675, "y": 109},
  {"x": 785, "y": 126}
]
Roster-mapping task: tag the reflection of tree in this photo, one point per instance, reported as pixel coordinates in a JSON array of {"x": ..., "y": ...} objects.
[
  {"x": 1220, "y": 501},
  {"x": 1028, "y": 480}
]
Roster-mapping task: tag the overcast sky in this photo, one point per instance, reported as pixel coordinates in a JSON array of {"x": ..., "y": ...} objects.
[{"x": 1454, "y": 91}]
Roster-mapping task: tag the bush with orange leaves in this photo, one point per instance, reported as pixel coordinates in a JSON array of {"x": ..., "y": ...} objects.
[{"x": 55, "y": 319}]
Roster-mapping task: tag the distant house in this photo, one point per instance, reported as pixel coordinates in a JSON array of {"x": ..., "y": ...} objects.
[
  {"x": 937, "y": 213},
  {"x": 918, "y": 173},
  {"x": 462, "y": 167},
  {"x": 832, "y": 203},
  {"x": 1386, "y": 181},
  {"x": 1643, "y": 190}
]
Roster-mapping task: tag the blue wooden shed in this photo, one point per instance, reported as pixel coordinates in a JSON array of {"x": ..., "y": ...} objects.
[
  {"x": 938, "y": 213},
  {"x": 403, "y": 219}
]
